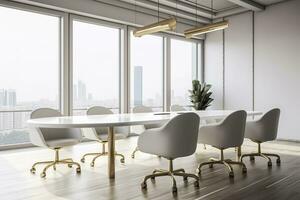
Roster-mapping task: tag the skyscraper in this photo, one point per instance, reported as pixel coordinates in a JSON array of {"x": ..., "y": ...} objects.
[
  {"x": 81, "y": 91},
  {"x": 138, "y": 85},
  {"x": 8, "y": 97},
  {"x": 75, "y": 92},
  {"x": 3, "y": 97},
  {"x": 11, "y": 98}
]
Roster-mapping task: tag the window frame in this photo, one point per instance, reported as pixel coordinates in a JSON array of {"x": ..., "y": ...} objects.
[
  {"x": 99, "y": 22},
  {"x": 167, "y": 64},
  {"x": 65, "y": 74},
  {"x": 199, "y": 59},
  {"x": 164, "y": 71},
  {"x": 63, "y": 18}
]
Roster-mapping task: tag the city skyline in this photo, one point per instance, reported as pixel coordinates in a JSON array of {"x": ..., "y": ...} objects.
[{"x": 8, "y": 97}]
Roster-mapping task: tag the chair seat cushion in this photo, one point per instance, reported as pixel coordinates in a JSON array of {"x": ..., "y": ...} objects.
[{"x": 62, "y": 142}]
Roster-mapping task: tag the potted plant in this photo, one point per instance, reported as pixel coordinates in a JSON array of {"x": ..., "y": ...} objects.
[{"x": 200, "y": 95}]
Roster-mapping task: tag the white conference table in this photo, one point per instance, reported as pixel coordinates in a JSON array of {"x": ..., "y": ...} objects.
[{"x": 128, "y": 119}]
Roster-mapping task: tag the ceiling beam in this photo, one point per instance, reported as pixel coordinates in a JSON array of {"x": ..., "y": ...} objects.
[
  {"x": 188, "y": 8},
  {"x": 249, "y": 4},
  {"x": 230, "y": 12}
]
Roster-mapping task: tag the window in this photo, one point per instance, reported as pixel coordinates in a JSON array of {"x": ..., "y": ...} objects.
[
  {"x": 30, "y": 64},
  {"x": 146, "y": 71},
  {"x": 183, "y": 70},
  {"x": 96, "y": 63}
]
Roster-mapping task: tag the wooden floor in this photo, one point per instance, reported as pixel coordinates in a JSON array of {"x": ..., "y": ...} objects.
[{"x": 16, "y": 182}]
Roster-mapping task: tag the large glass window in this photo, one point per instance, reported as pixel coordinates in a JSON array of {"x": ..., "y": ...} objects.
[
  {"x": 183, "y": 70},
  {"x": 96, "y": 63},
  {"x": 146, "y": 74},
  {"x": 30, "y": 63}
]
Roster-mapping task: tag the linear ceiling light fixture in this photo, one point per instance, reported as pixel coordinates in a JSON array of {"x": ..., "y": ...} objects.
[
  {"x": 208, "y": 28},
  {"x": 164, "y": 25}
]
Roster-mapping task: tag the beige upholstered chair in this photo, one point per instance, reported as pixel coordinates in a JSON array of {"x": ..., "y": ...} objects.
[
  {"x": 54, "y": 139},
  {"x": 226, "y": 134},
  {"x": 263, "y": 130},
  {"x": 178, "y": 108},
  {"x": 142, "y": 128},
  {"x": 101, "y": 135},
  {"x": 177, "y": 138}
]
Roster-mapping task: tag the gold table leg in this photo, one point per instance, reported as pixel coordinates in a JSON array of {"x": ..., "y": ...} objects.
[{"x": 111, "y": 153}]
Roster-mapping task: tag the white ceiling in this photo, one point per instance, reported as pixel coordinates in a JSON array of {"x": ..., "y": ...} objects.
[
  {"x": 220, "y": 5},
  {"x": 187, "y": 8}
]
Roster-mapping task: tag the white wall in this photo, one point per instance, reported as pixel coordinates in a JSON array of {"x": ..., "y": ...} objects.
[
  {"x": 213, "y": 72},
  {"x": 274, "y": 77},
  {"x": 238, "y": 63}
]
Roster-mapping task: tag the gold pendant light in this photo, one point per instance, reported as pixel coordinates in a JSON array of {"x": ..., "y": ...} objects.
[
  {"x": 206, "y": 29},
  {"x": 164, "y": 25}
]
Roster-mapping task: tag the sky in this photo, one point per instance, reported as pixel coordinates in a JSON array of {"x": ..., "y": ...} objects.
[{"x": 29, "y": 54}]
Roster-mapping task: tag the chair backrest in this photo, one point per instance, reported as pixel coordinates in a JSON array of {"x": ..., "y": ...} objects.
[
  {"x": 176, "y": 107},
  {"x": 267, "y": 126},
  {"x": 99, "y": 110},
  {"x": 233, "y": 129},
  {"x": 182, "y": 135},
  {"x": 270, "y": 121},
  {"x": 145, "y": 109},
  {"x": 54, "y": 133},
  {"x": 142, "y": 109}
]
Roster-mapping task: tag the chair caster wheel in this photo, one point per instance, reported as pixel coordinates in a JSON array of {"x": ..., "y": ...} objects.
[
  {"x": 92, "y": 164},
  {"x": 231, "y": 175},
  {"x": 32, "y": 170},
  {"x": 199, "y": 171},
  {"x": 82, "y": 160},
  {"x": 174, "y": 190},
  {"x": 70, "y": 165},
  {"x": 244, "y": 170},
  {"x": 185, "y": 178},
  {"x": 78, "y": 170},
  {"x": 278, "y": 161},
  {"x": 211, "y": 165},
  {"x": 196, "y": 184},
  {"x": 269, "y": 164},
  {"x": 143, "y": 186},
  {"x": 252, "y": 158},
  {"x": 43, "y": 175},
  {"x": 153, "y": 178},
  {"x": 122, "y": 160},
  {"x": 54, "y": 167}
]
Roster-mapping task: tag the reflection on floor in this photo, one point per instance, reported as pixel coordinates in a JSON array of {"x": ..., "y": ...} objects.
[{"x": 16, "y": 182}]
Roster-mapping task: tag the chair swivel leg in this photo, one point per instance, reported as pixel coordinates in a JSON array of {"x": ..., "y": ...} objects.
[
  {"x": 172, "y": 173},
  {"x": 103, "y": 153},
  {"x": 53, "y": 164},
  {"x": 225, "y": 162},
  {"x": 263, "y": 155},
  {"x": 133, "y": 153}
]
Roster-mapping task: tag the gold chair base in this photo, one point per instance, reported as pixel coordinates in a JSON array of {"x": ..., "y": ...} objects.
[
  {"x": 53, "y": 164},
  {"x": 263, "y": 155},
  {"x": 97, "y": 155},
  {"x": 133, "y": 153},
  {"x": 172, "y": 173},
  {"x": 226, "y": 162}
]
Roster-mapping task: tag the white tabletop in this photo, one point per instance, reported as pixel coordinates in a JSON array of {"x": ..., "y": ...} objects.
[{"x": 127, "y": 119}]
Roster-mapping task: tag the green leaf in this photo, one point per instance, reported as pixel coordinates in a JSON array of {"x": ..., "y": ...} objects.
[{"x": 200, "y": 95}]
